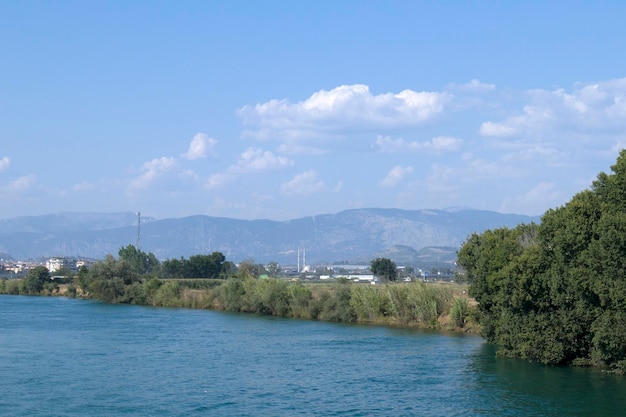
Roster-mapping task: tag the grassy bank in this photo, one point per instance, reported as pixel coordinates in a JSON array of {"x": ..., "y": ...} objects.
[{"x": 424, "y": 305}]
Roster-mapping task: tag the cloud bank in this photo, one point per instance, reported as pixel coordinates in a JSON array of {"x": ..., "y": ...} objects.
[{"x": 341, "y": 110}]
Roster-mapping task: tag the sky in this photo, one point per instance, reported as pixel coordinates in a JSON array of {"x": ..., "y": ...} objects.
[{"x": 286, "y": 109}]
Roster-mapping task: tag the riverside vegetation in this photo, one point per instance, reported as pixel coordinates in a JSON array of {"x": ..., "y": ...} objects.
[
  {"x": 556, "y": 292},
  {"x": 134, "y": 279}
]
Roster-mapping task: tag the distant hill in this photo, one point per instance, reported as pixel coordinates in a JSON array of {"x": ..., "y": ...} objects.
[{"x": 351, "y": 235}]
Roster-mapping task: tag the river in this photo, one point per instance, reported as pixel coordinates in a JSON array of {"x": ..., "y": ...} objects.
[{"x": 67, "y": 357}]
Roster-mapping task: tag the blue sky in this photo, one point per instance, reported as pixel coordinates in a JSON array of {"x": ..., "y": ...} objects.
[{"x": 285, "y": 109}]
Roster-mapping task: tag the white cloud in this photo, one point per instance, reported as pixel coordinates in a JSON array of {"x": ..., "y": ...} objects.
[
  {"x": 393, "y": 177},
  {"x": 437, "y": 144},
  {"x": 200, "y": 147},
  {"x": 22, "y": 183},
  {"x": 501, "y": 129},
  {"x": 344, "y": 109},
  {"x": 304, "y": 183},
  {"x": 152, "y": 170},
  {"x": 588, "y": 110},
  {"x": 4, "y": 163},
  {"x": 254, "y": 160}
]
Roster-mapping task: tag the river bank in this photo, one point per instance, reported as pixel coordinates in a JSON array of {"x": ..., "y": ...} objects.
[{"x": 438, "y": 306}]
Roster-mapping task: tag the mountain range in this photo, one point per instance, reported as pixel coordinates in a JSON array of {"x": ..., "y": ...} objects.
[{"x": 351, "y": 236}]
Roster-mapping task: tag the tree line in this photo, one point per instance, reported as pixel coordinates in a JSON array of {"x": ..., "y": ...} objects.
[
  {"x": 138, "y": 278},
  {"x": 555, "y": 292}
]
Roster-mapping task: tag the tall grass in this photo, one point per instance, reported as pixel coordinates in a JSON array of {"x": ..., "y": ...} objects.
[
  {"x": 459, "y": 312},
  {"x": 414, "y": 304},
  {"x": 370, "y": 303}
]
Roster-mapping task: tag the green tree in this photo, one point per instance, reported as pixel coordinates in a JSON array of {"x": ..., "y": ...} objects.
[
  {"x": 82, "y": 278},
  {"x": 204, "y": 266},
  {"x": 249, "y": 269},
  {"x": 106, "y": 280},
  {"x": 34, "y": 281},
  {"x": 556, "y": 292},
  {"x": 173, "y": 268},
  {"x": 384, "y": 268},
  {"x": 140, "y": 262}
]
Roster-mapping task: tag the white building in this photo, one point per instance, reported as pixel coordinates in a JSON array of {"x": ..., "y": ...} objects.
[{"x": 55, "y": 264}]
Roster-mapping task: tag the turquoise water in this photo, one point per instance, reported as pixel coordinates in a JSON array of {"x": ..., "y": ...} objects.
[{"x": 65, "y": 357}]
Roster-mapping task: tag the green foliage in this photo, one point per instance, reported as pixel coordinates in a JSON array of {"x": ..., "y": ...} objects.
[
  {"x": 399, "y": 303},
  {"x": 139, "y": 261},
  {"x": 336, "y": 306},
  {"x": 12, "y": 287},
  {"x": 106, "y": 280},
  {"x": 459, "y": 311},
  {"x": 269, "y": 296},
  {"x": 370, "y": 303},
  {"x": 168, "y": 295},
  {"x": 427, "y": 302},
  {"x": 108, "y": 290},
  {"x": 384, "y": 268},
  {"x": 33, "y": 283},
  {"x": 556, "y": 292},
  {"x": 300, "y": 298},
  {"x": 82, "y": 278},
  {"x": 197, "y": 266},
  {"x": 173, "y": 268},
  {"x": 118, "y": 281},
  {"x": 248, "y": 269},
  {"x": 204, "y": 266},
  {"x": 230, "y": 294}
]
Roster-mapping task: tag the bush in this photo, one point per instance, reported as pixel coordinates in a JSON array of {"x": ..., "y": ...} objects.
[
  {"x": 336, "y": 305},
  {"x": 108, "y": 290},
  {"x": 168, "y": 295},
  {"x": 12, "y": 287},
  {"x": 230, "y": 294}
]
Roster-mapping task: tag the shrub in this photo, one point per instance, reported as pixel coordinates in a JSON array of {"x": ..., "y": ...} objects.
[
  {"x": 168, "y": 295},
  {"x": 336, "y": 306},
  {"x": 12, "y": 287},
  {"x": 230, "y": 294},
  {"x": 71, "y": 291}
]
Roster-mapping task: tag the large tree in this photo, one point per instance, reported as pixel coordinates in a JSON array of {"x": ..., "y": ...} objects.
[
  {"x": 197, "y": 266},
  {"x": 34, "y": 282},
  {"x": 556, "y": 292},
  {"x": 384, "y": 268},
  {"x": 139, "y": 261}
]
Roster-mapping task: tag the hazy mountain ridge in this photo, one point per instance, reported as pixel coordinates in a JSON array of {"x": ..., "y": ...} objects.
[{"x": 357, "y": 234}]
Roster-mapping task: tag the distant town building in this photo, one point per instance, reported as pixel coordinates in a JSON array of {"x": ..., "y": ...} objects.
[{"x": 56, "y": 264}]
